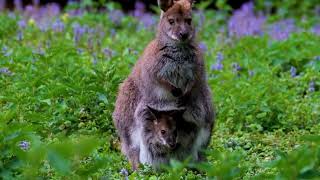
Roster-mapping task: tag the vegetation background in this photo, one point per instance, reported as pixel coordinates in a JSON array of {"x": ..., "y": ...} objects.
[{"x": 60, "y": 70}]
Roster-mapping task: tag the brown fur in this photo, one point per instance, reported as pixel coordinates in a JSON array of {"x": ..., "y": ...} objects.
[{"x": 169, "y": 74}]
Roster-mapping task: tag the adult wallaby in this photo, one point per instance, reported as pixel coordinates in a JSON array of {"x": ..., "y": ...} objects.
[{"x": 170, "y": 74}]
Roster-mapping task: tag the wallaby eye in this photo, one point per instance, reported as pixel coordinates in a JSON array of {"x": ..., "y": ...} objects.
[
  {"x": 188, "y": 21},
  {"x": 163, "y": 132},
  {"x": 171, "y": 21}
]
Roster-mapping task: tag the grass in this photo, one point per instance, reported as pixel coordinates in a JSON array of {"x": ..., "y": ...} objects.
[{"x": 59, "y": 97}]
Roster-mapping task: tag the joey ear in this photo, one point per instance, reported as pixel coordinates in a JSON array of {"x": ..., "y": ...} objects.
[
  {"x": 165, "y": 4},
  {"x": 177, "y": 112},
  {"x": 153, "y": 111}
]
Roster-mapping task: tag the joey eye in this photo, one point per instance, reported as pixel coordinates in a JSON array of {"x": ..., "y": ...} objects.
[
  {"x": 171, "y": 21},
  {"x": 188, "y": 21},
  {"x": 163, "y": 132}
]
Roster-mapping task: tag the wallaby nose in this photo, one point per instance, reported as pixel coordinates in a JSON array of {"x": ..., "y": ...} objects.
[{"x": 184, "y": 36}]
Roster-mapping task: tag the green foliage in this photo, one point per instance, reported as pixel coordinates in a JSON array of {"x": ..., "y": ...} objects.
[{"x": 56, "y": 105}]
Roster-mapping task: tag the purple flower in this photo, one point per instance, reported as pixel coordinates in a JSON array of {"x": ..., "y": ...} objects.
[
  {"x": 236, "y": 67},
  {"x": 116, "y": 17},
  {"x": 316, "y": 29},
  {"x": 38, "y": 51},
  {"x": 201, "y": 17},
  {"x": 245, "y": 23},
  {"x": 108, "y": 52},
  {"x": 281, "y": 30},
  {"x": 203, "y": 47},
  {"x": 24, "y": 145},
  {"x": 58, "y": 26},
  {"x": 218, "y": 66},
  {"x": 18, "y": 5},
  {"x": 43, "y": 26},
  {"x": 2, "y": 5},
  {"x": 22, "y": 24},
  {"x": 139, "y": 9},
  {"x": 36, "y": 2},
  {"x": 251, "y": 73},
  {"x": 312, "y": 87},
  {"x": 293, "y": 71},
  {"x": 4, "y": 49},
  {"x": 95, "y": 59},
  {"x": 147, "y": 20},
  {"x": 5, "y": 71},
  {"x": 90, "y": 42},
  {"x": 124, "y": 173},
  {"x": 53, "y": 9},
  {"x": 19, "y": 36},
  {"x": 78, "y": 31},
  {"x": 317, "y": 10},
  {"x": 79, "y": 51}
]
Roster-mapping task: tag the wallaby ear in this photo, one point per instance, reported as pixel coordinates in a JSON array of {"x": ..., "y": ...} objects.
[{"x": 165, "y": 4}]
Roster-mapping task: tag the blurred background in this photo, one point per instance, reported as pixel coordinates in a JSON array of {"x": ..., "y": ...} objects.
[{"x": 126, "y": 5}]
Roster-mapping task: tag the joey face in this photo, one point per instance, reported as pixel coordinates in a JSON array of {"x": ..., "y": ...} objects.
[
  {"x": 176, "y": 23},
  {"x": 166, "y": 132},
  {"x": 164, "y": 127}
]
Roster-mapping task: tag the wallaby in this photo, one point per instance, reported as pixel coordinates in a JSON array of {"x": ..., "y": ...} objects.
[{"x": 170, "y": 74}]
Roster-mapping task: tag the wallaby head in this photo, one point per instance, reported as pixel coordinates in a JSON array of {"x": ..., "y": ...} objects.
[
  {"x": 162, "y": 124},
  {"x": 176, "y": 21}
]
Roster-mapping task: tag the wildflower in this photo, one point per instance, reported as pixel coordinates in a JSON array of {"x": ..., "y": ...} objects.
[
  {"x": 218, "y": 66},
  {"x": 95, "y": 59},
  {"x": 202, "y": 18},
  {"x": 147, "y": 20},
  {"x": 203, "y": 47},
  {"x": 107, "y": 52},
  {"x": 24, "y": 145},
  {"x": 53, "y": 9},
  {"x": 293, "y": 71},
  {"x": 281, "y": 30},
  {"x": 58, "y": 26},
  {"x": 124, "y": 173},
  {"x": 79, "y": 51},
  {"x": 18, "y": 5},
  {"x": 316, "y": 29},
  {"x": 312, "y": 87},
  {"x": 139, "y": 9},
  {"x": 116, "y": 17},
  {"x": 236, "y": 67},
  {"x": 90, "y": 42},
  {"x": 4, "y": 49},
  {"x": 245, "y": 23},
  {"x": 251, "y": 73},
  {"x": 22, "y": 24},
  {"x": 113, "y": 32},
  {"x": 6, "y": 52},
  {"x": 78, "y": 31},
  {"x": 2, "y": 5},
  {"x": 19, "y": 36},
  {"x": 5, "y": 71}
]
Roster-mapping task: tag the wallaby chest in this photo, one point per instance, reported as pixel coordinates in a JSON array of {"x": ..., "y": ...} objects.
[{"x": 178, "y": 65}]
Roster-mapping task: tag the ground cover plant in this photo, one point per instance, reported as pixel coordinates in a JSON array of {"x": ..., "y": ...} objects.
[{"x": 60, "y": 70}]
